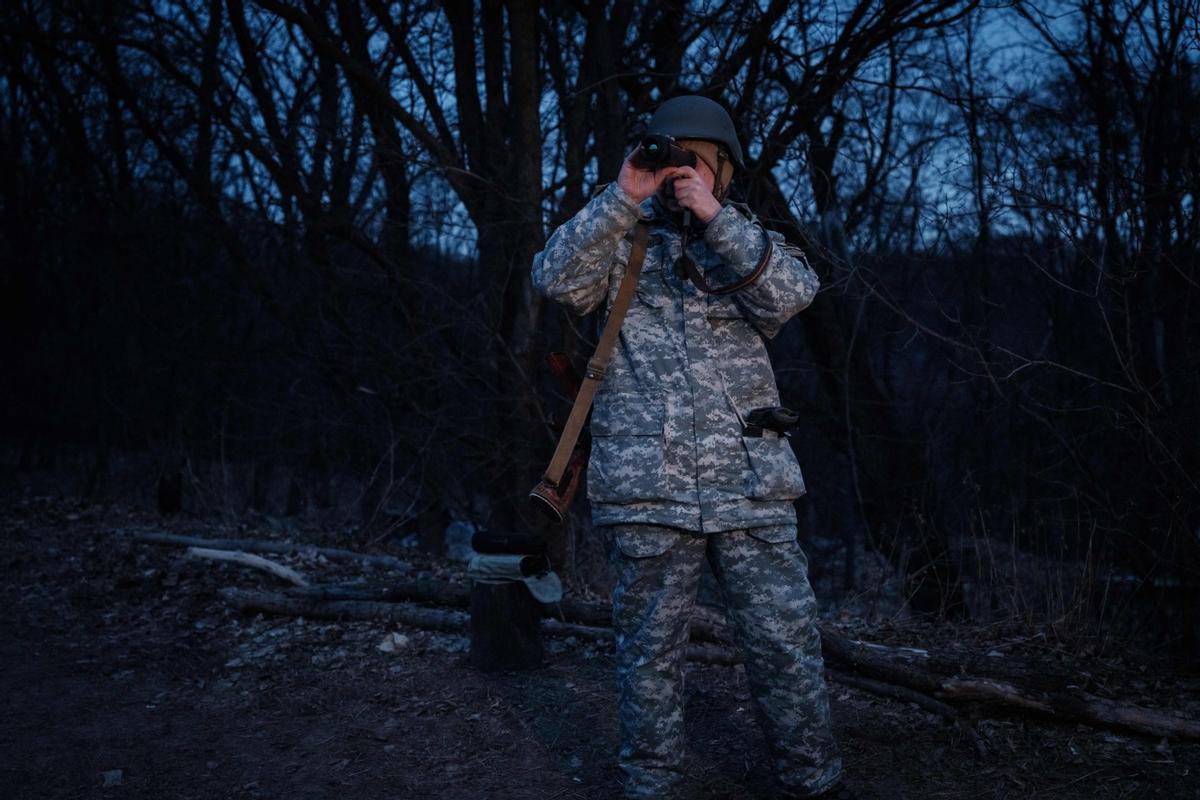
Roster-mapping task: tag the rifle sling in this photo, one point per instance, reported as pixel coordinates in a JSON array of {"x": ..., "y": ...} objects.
[{"x": 599, "y": 360}]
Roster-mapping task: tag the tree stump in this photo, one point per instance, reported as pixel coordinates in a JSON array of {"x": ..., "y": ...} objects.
[{"x": 506, "y": 631}]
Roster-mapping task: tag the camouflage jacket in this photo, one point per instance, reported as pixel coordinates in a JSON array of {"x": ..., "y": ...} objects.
[{"x": 667, "y": 443}]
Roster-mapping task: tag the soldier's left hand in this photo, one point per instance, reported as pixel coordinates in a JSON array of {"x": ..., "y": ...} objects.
[{"x": 695, "y": 194}]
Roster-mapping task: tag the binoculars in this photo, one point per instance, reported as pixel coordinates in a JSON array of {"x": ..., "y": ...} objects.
[{"x": 659, "y": 150}]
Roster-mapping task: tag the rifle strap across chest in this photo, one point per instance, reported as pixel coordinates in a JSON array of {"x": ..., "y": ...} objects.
[{"x": 599, "y": 360}]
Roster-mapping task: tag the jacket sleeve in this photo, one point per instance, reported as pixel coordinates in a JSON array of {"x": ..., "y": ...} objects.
[
  {"x": 786, "y": 286},
  {"x": 573, "y": 268}
]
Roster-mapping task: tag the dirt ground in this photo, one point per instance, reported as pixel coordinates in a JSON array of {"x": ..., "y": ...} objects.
[{"x": 125, "y": 676}]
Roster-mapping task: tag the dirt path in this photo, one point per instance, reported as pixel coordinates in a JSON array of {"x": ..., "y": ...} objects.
[{"x": 119, "y": 664}]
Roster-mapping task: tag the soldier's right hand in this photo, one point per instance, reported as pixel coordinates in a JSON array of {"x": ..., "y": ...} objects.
[{"x": 641, "y": 183}]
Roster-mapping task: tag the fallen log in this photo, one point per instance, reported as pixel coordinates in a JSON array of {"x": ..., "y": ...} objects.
[
  {"x": 273, "y": 603},
  {"x": 706, "y": 624},
  {"x": 873, "y": 664},
  {"x": 1080, "y": 706},
  {"x": 249, "y": 560},
  {"x": 439, "y": 592},
  {"x": 892, "y": 664},
  {"x": 894, "y": 692},
  {"x": 867, "y": 668},
  {"x": 1062, "y": 705},
  {"x": 416, "y": 616},
  {"x": 268, "y": 546}
]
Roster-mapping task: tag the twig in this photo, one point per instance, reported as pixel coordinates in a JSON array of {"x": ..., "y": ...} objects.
[
  {"x": 267, "y": 546},
  {"x": 246, "y": 559}
]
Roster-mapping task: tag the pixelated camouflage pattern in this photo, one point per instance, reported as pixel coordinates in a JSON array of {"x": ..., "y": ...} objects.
[
  {"x": 763, "y": 575},
  {"x": 666, "y": 432}
]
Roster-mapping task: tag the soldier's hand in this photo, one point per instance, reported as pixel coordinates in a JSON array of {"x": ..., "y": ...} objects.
[
  {"x": 695, "y": 194},
  {"x": 641, "y": 183}
]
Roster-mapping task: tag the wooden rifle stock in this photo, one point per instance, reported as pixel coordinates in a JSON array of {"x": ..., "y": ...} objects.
[
  {"x": 556, "y": 500},
  {"x": 556, "y": 489}
]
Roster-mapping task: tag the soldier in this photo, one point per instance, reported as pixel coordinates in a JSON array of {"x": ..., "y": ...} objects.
[{"x": 673, "y": 477}]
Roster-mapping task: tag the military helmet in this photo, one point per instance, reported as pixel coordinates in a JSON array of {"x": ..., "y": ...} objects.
[{"x": 692, "y": 116}]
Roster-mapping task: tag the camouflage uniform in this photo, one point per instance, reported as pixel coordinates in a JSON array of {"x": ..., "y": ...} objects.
[{"x": 674, "y": 477}]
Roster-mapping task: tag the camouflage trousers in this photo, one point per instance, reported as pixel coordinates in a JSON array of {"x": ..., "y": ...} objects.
[{"x": 763, "y": 575}]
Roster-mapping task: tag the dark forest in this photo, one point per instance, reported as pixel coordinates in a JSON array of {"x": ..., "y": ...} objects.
[{"x": 266, "y": 273}]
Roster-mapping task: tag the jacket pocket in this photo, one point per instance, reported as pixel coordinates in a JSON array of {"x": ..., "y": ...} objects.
[
  {"x": 651, "y": 291},
  {"x": 774, "y": 471},
  {"x": 652, "y": 288},
  {"x": 774, "y": 534},
  {"x": 644, "y": 541},
  {"x": 626, "y": 463}
]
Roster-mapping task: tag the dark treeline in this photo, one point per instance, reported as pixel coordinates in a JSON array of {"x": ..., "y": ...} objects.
[{"x": 275, "y": 253}]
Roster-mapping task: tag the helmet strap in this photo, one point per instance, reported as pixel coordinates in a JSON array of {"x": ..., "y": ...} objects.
[
  {"x": 716, "y": 157},
  {"x": 720, "y": 187}
]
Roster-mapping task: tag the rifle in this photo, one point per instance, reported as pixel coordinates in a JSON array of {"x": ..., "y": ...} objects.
[
  {"x": 554, "y": 492},
  {"x": 555, "y": 499}
]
